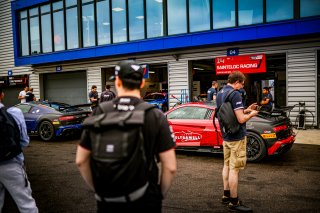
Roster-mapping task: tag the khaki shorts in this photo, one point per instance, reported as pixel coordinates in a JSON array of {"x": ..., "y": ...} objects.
[{"x": 235, "y": 155}]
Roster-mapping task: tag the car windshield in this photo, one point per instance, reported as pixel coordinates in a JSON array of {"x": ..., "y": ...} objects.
[{"x": 154, "y": 97}]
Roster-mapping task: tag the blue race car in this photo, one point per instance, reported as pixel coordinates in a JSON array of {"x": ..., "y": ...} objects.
[
  {"x": 160, "y": 100},
  {"x": 52, "y": 119}
]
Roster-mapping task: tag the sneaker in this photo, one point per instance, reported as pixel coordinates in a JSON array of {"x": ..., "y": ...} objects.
[
  {"x": 225, "y": 200},
  {"x": 239, "y": 207}
]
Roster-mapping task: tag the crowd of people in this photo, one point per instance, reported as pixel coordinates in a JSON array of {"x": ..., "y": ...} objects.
[{"x": 125, "y": 139}]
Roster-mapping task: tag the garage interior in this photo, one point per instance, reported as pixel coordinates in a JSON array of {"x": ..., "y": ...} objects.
[
  {"x": 157, "y": 81},
  {"x": 203, "y": 73}
]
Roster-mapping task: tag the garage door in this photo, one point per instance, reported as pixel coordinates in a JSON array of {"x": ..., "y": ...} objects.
[
  {"x": 68, "y": 87},
  {"x": 11, "y": 95}
]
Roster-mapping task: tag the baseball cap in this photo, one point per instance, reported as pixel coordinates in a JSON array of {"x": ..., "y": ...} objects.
[{"x": 126, "y": 69}]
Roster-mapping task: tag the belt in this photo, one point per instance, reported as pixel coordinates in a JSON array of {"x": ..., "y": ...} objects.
[{"x": 135, "y": 195}]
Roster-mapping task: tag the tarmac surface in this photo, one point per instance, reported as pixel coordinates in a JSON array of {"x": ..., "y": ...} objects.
[
  {"x": 309, "y": 136},
  {"x": 288, "y": 183}
]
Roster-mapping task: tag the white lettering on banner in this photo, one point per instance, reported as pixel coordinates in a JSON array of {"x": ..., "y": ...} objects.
[
  {"x": 187, "y": 136},
  {"x": 246, "y": 66}
]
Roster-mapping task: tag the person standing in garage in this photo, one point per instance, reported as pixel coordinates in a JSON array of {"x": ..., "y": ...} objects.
[
  {"x": 234, "y": 144},
  {"x": 267, "y": 100},
  {"x": 212, "y": 91},
  {"x": 107, "y": 95},
  {"x": 94, "y": 97},
  {"x": 30, "y": 96},
  {"x": 13, "y": 176},
  {"x": 22, "y": 94}
]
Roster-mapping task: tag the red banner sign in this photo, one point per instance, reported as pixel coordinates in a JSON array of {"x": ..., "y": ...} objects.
[{"x": 244, "y": 63}]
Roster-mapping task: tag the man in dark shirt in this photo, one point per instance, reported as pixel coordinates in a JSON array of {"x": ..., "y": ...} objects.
[
  {"x": 158, "y": 142},
  {"x": 107, "y": 95},
  {"x": 30, "y": 96},
  {"x": 267, "y": 100},
  {"x": 212, "y": 91},
  {"x": 94, "y": 97},
  {"x": 234, "y": 145}
]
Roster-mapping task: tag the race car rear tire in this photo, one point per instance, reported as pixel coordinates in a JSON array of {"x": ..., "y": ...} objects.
[
  {"x": 46, "y": 131},
  {"x": 256, "y": 148}
]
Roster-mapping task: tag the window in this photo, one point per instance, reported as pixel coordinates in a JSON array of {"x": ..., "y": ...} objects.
[
  {"x": 154, "y": 18},
  {"x": 88, "y": 24},
  {"x": 197, "y": 113},
  {"x": 46, "y": 28},
  {"x": 25, "y": 108},
  {"x": 34, "y": 30},
  {"x": 72, "y": 24},
  {"x": 279, "y": 10},
  {"x": 309, "y": 8},
  {"x": 223, "y": 13},
  {"x": 58, "y": 26},
  {"x": 136, "y": 19},
  {"x": 103, "y": 22},
  {"x": 199, "y": 14},
  {"x": 24, "y": 35},
  {"x": 177, "y": 17},
  {"x": 250, "y": 12},
  {"x": 119, "y": 21}
]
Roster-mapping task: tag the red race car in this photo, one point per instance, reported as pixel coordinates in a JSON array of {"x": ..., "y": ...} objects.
[{"x": 193, "y": 127}]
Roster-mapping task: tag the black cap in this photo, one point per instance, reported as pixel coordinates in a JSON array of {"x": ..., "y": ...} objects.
[{"x": 125, "y": 70}]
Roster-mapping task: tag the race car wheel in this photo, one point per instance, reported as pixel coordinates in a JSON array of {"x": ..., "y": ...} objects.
[
  {"x": 256, "y": 148},
  {"x": 46, "y": 131}
]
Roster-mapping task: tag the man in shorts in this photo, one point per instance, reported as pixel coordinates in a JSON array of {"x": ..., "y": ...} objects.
[{"x": 234, "y": 145}]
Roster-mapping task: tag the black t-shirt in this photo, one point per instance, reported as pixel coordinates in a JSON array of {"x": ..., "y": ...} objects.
[
  {"x": 107, "y": 95},
  {"x": 29, "y": 96},
  {"x": 236, "y": 102},
  {"x": 95, "y": 96},
  {"x": 157, "y": 133}
]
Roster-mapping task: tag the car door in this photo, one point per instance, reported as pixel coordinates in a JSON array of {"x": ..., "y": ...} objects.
[
  {"x": 31, "y": 115},
  {"x": 192, "y": 126}
]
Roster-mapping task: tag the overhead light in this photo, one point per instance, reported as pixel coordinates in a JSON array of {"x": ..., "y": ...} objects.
[
  {"x": 197, "y": 68},
  {"x": 159, "y": 1},
  {"x": 106, "y": 23},
  {"x": 139, "y": 17},
  {"x": 151, "y": 72},
  {"x": 117, "y": 9}
]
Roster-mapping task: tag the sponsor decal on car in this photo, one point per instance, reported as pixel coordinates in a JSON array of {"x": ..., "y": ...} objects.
[
  {"x": 187, "y": 136},
  {"x": 269, "y": 135}
]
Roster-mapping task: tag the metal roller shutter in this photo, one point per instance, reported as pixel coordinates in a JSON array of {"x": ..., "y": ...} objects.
[{"x": 68, "y": 87}]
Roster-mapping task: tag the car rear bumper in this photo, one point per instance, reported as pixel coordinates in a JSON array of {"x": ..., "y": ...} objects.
[
  {"x": 68, "y": 130},
  {"x": 281, "y": 146}
]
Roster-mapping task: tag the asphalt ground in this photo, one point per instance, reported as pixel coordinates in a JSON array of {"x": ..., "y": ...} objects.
[{"x": 289, "y": 183}]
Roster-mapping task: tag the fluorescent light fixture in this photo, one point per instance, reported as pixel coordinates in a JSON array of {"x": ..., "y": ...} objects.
[
  {"x": 139, "y": 17},
  {"x": 159, "y": 1},
  {"x": 197, "y": 68},
  {"x": 151, "y": 72},
  {"x": 106, "y": 23},
  {"x": 117, "y": 9}
]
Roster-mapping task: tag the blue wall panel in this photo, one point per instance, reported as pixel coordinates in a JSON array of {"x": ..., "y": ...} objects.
[{"x": 217, "y": 37}]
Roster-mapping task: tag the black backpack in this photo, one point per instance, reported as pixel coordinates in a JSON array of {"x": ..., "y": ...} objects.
[
  {"x": 118, "y": 158},
  {"x": 227, "y": 117},
  {"x": 9, "y": 136}
]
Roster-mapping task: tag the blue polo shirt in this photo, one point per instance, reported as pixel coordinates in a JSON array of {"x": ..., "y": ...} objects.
[
  {"x": 236, "y": 102},
  {"x": 211, "y": 92}
]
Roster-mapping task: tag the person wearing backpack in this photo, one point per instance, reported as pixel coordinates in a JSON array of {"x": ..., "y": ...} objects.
[
  {"x": 120, "y": 147},
  {"x": 13, "y": 178},
  {"x": 107, "y": 95},
  {"x": 234, "y": 138}
]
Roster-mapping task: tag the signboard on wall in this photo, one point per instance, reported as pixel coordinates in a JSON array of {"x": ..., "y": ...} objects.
[{"x": 247, "y": 64}]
